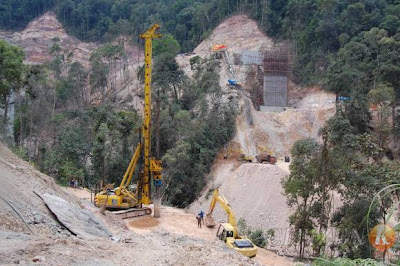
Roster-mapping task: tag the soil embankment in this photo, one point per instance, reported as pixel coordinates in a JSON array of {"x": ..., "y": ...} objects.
[{"x": 172, "y": 240}]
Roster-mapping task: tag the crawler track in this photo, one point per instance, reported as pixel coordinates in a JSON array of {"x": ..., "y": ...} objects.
[{"x": 131, "y": 213}]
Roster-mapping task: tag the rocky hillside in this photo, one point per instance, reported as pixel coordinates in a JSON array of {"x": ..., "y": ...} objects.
[
  {"x": 38, "y": 38},
  {"x": 262, "y": 131},
  {"x": 238, "y": 33},
  {"x": 254, "y": 190},
  {"x": 40, "y": 35}
]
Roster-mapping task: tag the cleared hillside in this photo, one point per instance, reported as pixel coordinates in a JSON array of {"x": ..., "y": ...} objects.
[
  {"x": 253, "y": 190},
  {"x": 50, "y": 243}
]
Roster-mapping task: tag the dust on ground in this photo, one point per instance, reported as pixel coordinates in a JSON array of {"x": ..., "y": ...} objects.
[
  {"x": 254, "y": 192},
  {"x": 145, "y": 222},
  {"x": 182, "y": 222}
]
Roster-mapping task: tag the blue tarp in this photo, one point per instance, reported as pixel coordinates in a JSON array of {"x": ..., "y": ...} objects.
[
  {"x": 232, "y": 81},
  {"x": 343, "y": 98}
]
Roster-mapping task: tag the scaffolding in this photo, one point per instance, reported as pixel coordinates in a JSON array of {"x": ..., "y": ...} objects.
[
  {"x": 277, "y": 70},
  {"x": 249, "y": 58}
]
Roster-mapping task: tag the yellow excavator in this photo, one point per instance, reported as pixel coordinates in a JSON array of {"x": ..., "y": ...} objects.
[
  {"x": 121, "y": 198},
  {"x": 228, "y": 232}
]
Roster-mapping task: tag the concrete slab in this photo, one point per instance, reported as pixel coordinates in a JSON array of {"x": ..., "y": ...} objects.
[{"x": 80, "y": 222}]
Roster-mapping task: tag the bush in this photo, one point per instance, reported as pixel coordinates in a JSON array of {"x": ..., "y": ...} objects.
[
  {"x": 346, "y": 262},
  {"x": 258, "y": 236}
]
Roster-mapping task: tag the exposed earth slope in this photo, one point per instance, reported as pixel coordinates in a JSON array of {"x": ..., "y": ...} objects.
[
  {"x": 172, "y": 240},
  {"x": 254, "y": 190}
]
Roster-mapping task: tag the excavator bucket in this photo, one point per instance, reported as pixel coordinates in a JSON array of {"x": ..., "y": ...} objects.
[{"x": 209, "y": 221}]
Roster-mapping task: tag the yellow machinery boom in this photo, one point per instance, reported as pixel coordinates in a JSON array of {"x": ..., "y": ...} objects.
[
  {"x": 121, "y": 197},
  {"x": 218, "y": 197},
  {"x": 152, "y": 167},
  {"x": 228, "y": 232}
]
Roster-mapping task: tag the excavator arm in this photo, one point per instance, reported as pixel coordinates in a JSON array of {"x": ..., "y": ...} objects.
[
  {"x": 218, "y": 197},
  {"x": 129, "y": 172},
  {"x": 229, "y": 233}
]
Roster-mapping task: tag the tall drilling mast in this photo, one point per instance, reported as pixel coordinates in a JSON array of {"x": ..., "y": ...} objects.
[
  {"x": 121, "y": 198},
  {"x": 152, "y": 168}
]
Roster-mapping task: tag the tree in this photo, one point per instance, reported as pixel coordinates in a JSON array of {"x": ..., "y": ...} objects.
[
  {"x": 167, "y": 44},
  {"x": 10, "y": 74},
  {"x": 114, "y": 142},
  {"x": 383, "y": 97},
  {"x": 301, "y": 191},
  {"x": 98, "y": 75},
  {"x": 391, "y": 23}
]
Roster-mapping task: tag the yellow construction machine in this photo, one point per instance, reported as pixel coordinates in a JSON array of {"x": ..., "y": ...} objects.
[
  {"x": 121, "y": 198},
  {"x": 228, "y": 232}
]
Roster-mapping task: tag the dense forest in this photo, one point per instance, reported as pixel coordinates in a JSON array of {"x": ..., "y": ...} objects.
[
  {"x": 351, "y": 48},
  {"x": 69, "y": 137},
  {"x": 317, "y": 29}
]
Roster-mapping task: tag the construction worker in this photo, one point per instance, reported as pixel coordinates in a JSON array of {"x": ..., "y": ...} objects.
[
  {"x": 201, "y": 215},
  {"x": 198, "y": 218}
]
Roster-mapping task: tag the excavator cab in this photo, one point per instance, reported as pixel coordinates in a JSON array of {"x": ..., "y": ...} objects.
[{"x": 224, "y": 231}]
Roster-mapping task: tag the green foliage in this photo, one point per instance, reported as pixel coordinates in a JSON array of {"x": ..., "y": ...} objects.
[
  {"x": 194, "y": 60},
  {"x": 112, "y": 146},
  {"x": 352, "y": 164},
  {"x": 189, "y": 161},
  {"x": 10, "y": 74},
  {"x": 318, "y": 29},
  {"x": 318, "y": 241},
  {"x": 383, "y": 97},
  {"x": 69, "y": 171},
  {"x": 189, "y": 140},
  {"x": 346, "y": 262},
  {"x": 382, "y": 94},
  {"x": 69, "y": 138},
  {"x": 258, "y": 236},
  {"x": 301, "y": 188},
  {"x": 62, "y": 133},
  {"x": 167, "y": 44},
  {"x": 17, "y": 14},
  {"x": 21, "y": 153}
]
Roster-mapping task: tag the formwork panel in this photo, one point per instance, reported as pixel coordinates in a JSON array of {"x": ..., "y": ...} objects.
[
  {"x": 275, "y": 90},
  {"x": 251, "y": 58},
  {"x": 277, "y": 68}
]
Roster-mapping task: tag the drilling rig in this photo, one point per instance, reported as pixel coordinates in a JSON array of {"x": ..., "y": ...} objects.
[{"x": 130, "y": 204}]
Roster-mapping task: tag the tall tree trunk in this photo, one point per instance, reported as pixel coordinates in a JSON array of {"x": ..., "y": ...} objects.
[
  {"x": 301, "y": 244},
  {"x": 19, "y": 135},
  {"x": 5, "y": 102}
]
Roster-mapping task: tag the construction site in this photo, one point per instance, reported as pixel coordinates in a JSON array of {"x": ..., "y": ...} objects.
[{"x": 49, "y": 224}]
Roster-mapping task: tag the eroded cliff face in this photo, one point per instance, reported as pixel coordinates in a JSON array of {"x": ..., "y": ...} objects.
[
  {"x": 254, "y": 190},
  {"x": 257, "y": 131},
  {"x": 41, "y": 34}
]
